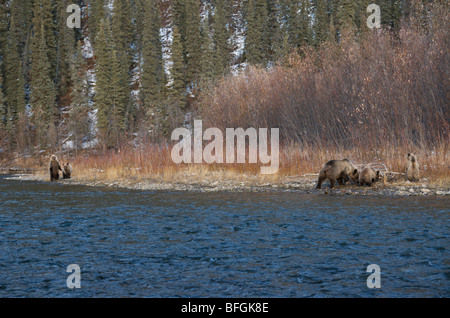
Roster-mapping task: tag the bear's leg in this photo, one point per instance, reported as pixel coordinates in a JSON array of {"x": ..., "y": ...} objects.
[
  {"x": 319, "y": 183},
  {"x": 332, "y": 182},
  {"x": 320, "y": 180}
]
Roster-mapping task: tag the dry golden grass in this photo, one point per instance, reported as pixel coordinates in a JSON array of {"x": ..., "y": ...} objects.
[{"x": 155, "y": 164}]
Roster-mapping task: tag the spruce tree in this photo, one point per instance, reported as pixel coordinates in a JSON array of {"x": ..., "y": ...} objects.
[
  {"x": 22, "y": 130},
  {"x": 3, "y": 27},
  {"x": 193, "y": 41},
  {"x": 103, "y": 73},
  {"x": 66, "y": 49},
  {"x": 346, "y": 15},
  {"x": 96, "y": 14},
  {"x": 43, "y": 92},
  {"x": 122, "y": 30},
  {"x": 208, "y": 65},
  {"x": 152, "y": 76},
  {"x": 119, "y": 99},
  {"x": 123, "y": 34},
  {"x": 21, "y": 101},
  {"x": 20, "y": 23},
  {"x": 178, "y": 10},
  {"x": 257, "y": 43},
  {"x": 79, "y": 120},
  {"x": 321, "y": 23},
  {"x": 293, "y": 23},
  {"x": 109, "y": 93},
  {"x": 220, "y": 38},
  {"x": 177, "y": 73},
  {"x": 43, "y": 14},
  {"x": 12, "y": 61},
  {"x": 275, "y": 31},
  {"x": 305, "y": 36},
  {"x": 391, "y": 13}
]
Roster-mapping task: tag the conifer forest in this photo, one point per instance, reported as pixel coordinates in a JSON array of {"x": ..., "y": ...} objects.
[{"x": 132, "y": 71}]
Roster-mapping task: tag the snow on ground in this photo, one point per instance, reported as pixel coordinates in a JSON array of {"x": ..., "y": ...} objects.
[
  {"x": 166, "y": 41},
  {"x": 89, "y": 144},
  {"x": 68, "y": 145},
  {"x": 237, "y": 40},
  {"x": 87, "y": 49}
]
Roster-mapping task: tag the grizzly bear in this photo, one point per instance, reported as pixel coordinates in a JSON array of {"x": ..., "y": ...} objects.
[
  {"x": 412, "y": 168},
  {"x": 54, "y": 168},
  {"x": 368, "y": 176},
  {"x": 67, "y": 170},
  {"x": 337, "y": 170}
]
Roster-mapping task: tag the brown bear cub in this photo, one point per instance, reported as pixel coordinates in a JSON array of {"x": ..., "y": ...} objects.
[
  {"x": 54, "y": 168},
  {"x": 412, "y": 168},
  {"x": 368, "y": 176},
  {"x": 337, "y": 170},
  {"x": 67, "y": 170}
]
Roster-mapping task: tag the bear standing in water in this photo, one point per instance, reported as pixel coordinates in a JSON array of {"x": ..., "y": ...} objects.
[
  {"x": 412, "y": 168},
  {"x": 67, "y": 170},
  {"x": 337, "y": 170},
  {"x": 54, "y": 168}
]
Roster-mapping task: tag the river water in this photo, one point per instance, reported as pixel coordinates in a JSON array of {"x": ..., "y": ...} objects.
[{"x": 186, "y": 244}]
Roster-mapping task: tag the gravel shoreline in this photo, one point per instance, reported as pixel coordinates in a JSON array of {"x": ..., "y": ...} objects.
[{"x": 298, "y": 185}]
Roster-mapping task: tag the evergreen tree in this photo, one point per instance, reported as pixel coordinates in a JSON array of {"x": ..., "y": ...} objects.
[
  {"x": 332, "y": 27},
  {"x": 361, "y": 14},
  {"x": 111, "y": 120},
  {"x": 177, "y": 71},
  {"x": 391, "y": 13},
  {"x": 21, "y": 101},
  {"x": 193, "y": 41},
  {"x": 251, "y": 36},
  {"x": 208, "y": 65},
  {"x": 305, "y": 36},
  {"x": 123, "y": 34},
  {"x": 257, "y": 42},
  {"x": 346, "y": 15},
  {"x": 22, "y": 131},
  {"x": 43, "y": 92},
  {"x": 3, "y": 27},
  {"x": 79, "y": 120},
  {"x": 43, "y": 14},
  {"x": 103, "y": 73},
  {"x": 220, "y": 39},
  {"x": 21, "y": 14},
  {"x": 275, "y": 31},
  {"x": 122, "y": 30},
  {"x": 284, "y": 48},
  {"x": 293, "y": 22},
  {"x": 152, "y": 77},
  {"x": 322, "y": 22},
  {"x": 15, "y": 41},
  {"x": 96, "y": 14},
  {"x": 66, "y": 49},
  {"x": 178, "y": 9}
]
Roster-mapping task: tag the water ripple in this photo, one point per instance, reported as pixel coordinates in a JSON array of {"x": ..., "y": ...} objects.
[{"x": 178, "y": 244}]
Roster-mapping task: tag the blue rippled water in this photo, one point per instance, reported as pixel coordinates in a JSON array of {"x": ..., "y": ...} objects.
[{"x": 181, "y": 244}]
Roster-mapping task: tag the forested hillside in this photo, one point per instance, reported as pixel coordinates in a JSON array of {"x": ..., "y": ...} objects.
[{"x": 137, "y": 69}]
